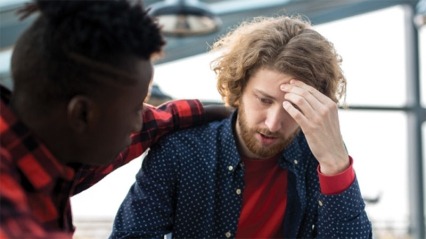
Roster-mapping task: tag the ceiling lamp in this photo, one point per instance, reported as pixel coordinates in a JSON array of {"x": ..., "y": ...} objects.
[{"x": 184, "y": 18}]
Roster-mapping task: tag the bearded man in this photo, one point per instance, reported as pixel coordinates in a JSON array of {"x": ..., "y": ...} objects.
[{"x": 277, "y": 168}]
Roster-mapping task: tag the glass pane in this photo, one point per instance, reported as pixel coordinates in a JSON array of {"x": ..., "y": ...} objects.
[
  {"x": 422, "y": 42},
  {"x": 189, "y": 77},
  {"x": 377, "y": 143},
  {"x": 373, "y": 52},
  {"x": 424, "y": 163}
]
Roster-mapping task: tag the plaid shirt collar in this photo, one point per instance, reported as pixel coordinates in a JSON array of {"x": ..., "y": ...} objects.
[{"x": 31, "y": 156}]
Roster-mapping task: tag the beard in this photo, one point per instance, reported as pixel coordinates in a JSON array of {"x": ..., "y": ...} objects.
[{"x": 251, "y": 142}]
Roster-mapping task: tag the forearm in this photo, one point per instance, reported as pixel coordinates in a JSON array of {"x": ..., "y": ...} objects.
[
  {"x": 157, "y": 122},
  {"x": 343, "y": 215}
]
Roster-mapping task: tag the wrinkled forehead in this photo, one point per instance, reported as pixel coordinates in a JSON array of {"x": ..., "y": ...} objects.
[{"x": 268, "y": 81}]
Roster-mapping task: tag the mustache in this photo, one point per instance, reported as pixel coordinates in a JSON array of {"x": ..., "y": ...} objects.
[{"x": 268, "y": 133}]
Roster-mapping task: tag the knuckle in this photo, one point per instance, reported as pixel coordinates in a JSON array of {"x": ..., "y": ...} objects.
[
  {"x": 323, "y": 112},
  {"x": 305, "y": 94},
  {"x": 298, "y": 100}
]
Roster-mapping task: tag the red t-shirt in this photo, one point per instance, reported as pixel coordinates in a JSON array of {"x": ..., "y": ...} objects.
[
  {"x": 264, "y": 199},
  {"x": 265, "y": 196}
]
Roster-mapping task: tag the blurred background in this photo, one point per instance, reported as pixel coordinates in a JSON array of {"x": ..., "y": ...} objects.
[{"x": 383, "y": 46}]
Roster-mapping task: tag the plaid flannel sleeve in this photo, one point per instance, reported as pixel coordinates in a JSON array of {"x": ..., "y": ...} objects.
[
  {"x": 16, "y": 218},
  {"x": 157, "y": 121}
]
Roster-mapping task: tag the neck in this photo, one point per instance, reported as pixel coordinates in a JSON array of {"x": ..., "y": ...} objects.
[{"x": 48, "y": 127}]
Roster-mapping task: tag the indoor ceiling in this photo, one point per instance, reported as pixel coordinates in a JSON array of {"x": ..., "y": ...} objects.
[{"x": 230, "y": 12}]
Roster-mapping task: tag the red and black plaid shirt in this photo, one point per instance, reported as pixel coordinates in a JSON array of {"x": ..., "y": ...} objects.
[{"x": 35, "y": 188}]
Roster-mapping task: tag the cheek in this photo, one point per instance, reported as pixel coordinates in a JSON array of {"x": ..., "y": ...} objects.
[
  {"x": 138, "y": 122},
  {"x": 255, "y": 118},
  {"x": 290, "y": 125},
  {"x": 123, "y": 124}
]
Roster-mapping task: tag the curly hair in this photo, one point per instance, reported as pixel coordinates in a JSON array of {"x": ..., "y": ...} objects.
[
  {"x": 284, "y": 44},
  {"x": 71, "y": 42}
]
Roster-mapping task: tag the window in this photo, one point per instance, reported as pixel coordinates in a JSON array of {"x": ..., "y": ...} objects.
[{"x": 373, "y": 50}]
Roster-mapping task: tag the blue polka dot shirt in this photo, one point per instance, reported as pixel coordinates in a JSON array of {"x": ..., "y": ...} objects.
[{"x": 191, "y": 183}]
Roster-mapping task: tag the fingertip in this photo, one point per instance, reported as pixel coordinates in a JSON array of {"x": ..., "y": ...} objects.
[{"x": 286, "y": 105}]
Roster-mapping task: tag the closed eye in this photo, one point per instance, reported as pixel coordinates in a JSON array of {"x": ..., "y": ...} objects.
[{"x": 265, "y": 101}]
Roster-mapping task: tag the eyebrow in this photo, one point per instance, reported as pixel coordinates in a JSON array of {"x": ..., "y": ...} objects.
[{"x": 264, "y": 94}]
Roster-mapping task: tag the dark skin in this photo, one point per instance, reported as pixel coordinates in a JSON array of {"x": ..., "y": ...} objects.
[{"x": 93, "y": 129}]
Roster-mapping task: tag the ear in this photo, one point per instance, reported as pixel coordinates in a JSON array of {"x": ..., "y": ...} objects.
[
  {"x": 237, "y": 102},
  {"x": 82, "y": 113}
]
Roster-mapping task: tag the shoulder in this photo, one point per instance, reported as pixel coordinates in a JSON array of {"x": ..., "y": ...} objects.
[
  {"x": 188, "y": 143},
  {"x": 194, "y": 135}
]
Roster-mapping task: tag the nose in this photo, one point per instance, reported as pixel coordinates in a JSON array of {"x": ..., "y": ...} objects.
[{"x": 274, "y": 119}]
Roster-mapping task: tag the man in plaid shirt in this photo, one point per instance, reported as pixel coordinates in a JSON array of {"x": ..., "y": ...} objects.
[{"x": 81, "y": 74}]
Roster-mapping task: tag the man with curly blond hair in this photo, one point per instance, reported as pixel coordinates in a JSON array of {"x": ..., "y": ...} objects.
[{"x": 277, "y": 168}]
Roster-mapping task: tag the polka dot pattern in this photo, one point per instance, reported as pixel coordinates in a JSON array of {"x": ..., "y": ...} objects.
[{"x": 191, "y": 185}]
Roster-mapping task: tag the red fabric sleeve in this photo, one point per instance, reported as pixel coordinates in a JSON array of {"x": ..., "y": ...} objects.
[
  {"x": 337, "y": 183},
  {"x": 157, "y": 121},
  {"x": 16, "y": 218}
]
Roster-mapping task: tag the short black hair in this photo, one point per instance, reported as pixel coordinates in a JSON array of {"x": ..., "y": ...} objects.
[{"x": 46, "y": 60}]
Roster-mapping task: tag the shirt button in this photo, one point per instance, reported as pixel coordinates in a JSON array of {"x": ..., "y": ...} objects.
[
  {"x": 230, "y": 168},
  {"x": 320, "y": 203},
  {"x": 228, "y": 234},
  {"x": 295, "y": 161},
  {"x": 238, "y": 191}
]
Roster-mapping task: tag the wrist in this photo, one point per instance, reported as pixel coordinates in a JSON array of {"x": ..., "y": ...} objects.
[{"x": 334, "y": 167}]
